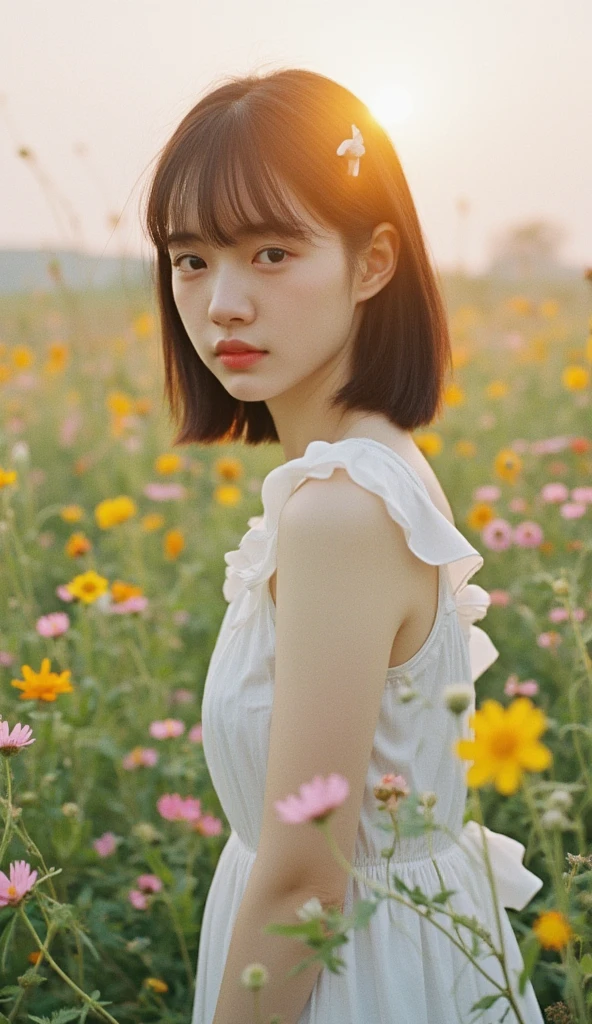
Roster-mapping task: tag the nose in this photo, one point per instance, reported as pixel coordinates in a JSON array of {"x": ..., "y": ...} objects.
[{"x": 229, "y": 300}]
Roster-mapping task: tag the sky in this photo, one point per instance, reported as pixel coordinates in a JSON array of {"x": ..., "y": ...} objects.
[{"x": 488, "y": 103}]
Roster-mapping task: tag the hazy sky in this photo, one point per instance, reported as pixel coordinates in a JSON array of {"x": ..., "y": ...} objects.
[{"x": 500, "y": 97}]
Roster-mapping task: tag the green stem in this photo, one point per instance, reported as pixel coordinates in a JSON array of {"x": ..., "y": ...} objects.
[
  {"x": 182, "y": 944},
  {"x": 8, "y": 819}
]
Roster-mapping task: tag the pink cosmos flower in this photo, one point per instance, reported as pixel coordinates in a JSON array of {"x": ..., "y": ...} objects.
[
  {"x": 208, "y": 825},
  {"x": 513, "y": 688},
  {"x": 175, "y": 808},
  {"x": 488, "y": 492},
  {"x": 168, "y": 728},
  {"x": 63, "y": 593},
  {"x": 149, "y": 883},
  {"x": 554, "y": 492},
  {"x": 12, "y": 742},
  {"x": 7, "y": 659},
  {"x": 316, "y": 801},
  {"x": 497, "y": 535},
  {"x": 137, "y": 899},
  {"x": 582, "y": 494},
  {"x": 528, "y": 534},
  {"x": 195, "y": 734},
  {"x": 551, "y": 639},
  {"x": 14, "y": 888},
  {"x": 54, "y": 624},
  {"x": 182, "y": 696},
  {"x": 106, "y": 844},
  {"x": 165, "y": 492},
  {"x": 145, "y": 757},
  {"x": 500, "y": 597},
  {"x": 562, "y": 614},
  {"x": 549, "y": 446},
  {"x": 573, "y": 510},
  {"x": 138, "y": 603}
]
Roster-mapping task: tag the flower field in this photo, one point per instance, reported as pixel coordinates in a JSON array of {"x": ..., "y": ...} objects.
[{"x": 112, "y": 563}]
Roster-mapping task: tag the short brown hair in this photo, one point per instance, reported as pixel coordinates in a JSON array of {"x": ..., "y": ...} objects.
[{"x": 285, "y": 127}]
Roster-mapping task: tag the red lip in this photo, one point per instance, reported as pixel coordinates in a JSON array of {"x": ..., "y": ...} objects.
[{"x": 236, "y": 346}]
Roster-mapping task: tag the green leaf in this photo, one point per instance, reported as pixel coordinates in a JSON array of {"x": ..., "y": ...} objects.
[
  {"x": 5, "y": 942},
  {"x": 362, "y": 912},
  {"x": 484, "y": 1003},
  {"x": 530, "y": 950},
  {"x": 586, "y": 963}
]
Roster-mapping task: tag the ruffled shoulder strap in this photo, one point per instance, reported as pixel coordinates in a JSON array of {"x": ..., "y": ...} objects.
[{"x": 373, "y": 465}]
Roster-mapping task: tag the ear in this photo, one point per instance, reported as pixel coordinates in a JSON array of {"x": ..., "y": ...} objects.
[{"x": 380, "y": 260}]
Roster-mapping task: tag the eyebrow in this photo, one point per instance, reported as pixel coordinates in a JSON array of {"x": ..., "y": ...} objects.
[{"x": 248, "y": 231}]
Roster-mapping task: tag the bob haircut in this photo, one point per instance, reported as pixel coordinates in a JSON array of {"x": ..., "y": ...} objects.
[{"x": 283, "y": 128}]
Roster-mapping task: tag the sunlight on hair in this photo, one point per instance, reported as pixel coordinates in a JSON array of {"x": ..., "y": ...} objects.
[{"x": 391, "y": 105}]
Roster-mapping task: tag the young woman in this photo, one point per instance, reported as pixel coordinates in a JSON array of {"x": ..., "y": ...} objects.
[{"x": 282, "y": 220}]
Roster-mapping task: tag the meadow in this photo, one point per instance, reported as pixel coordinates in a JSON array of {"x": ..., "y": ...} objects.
[{"x": 112, "y": 563}]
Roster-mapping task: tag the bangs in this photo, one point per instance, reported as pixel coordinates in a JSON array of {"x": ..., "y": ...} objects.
[{"x": 201, "y": 186}]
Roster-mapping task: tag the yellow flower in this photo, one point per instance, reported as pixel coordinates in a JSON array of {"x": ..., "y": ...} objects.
[
  {"x": 119, "y": 403},
  {"x": 57, "y": 358},
  {"x": 429, "y": 443},
  {"x": 496, "y": 389},
  {"x": 120, "y": 591},
  {"x": 552, "y": 929},
  {"x": 153, "y": 521},
  {"x": 22, "y": 357},
  {"x": 520, "y": 304},
  {"x": 72, "y": 513},
  {"x": 156, "y": 984},
  {"x": 113, "y": 511},
  {"x": 5, "y": 373},
  {"x": 144, "y": 325},
  {"x": 466, "y": 449},
  {"x": 173, "y": 543},
  {"x": 171, "y": 463},
  {"x": 227, "y": 495},
  {"x": 549, "y": 308},
  {"x": 576, "y": 378},
  {"x": 505, "y": 744},
  {"x": 480, "y": 515},
  {"x": 7, "y": 476},
  {"x": 88, "y": 586},
  {"x": 228, "y": 468},
  {"x": 77, "y": 544},
  {"x": 42, "y": 685},
  {"x": 508, "y": 464},
  {"x": 453, "y": 395}
]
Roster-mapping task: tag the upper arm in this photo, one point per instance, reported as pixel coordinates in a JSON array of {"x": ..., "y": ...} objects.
[{"x": 342, "y": 566}]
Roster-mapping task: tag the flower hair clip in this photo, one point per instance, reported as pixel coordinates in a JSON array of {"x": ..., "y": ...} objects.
[{"x": 354, "y": 149}]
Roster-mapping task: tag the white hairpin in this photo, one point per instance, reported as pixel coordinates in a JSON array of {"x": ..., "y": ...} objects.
[{"x": 354, "y": 149}]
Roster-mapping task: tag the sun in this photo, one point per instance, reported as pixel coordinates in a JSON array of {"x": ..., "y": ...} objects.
[{"x": 391, "y": 105}]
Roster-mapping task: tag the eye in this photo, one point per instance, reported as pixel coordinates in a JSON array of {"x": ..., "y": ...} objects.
[
  {"x": 177, "y": 261},
  {"x": 275, "y": 250},
  {"x": 187, "y": 256}
]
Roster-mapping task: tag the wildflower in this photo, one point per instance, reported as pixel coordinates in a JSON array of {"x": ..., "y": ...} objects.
[
  {"x": 560, "y": 798},
  {"x": 70, "y": 810},
  {"x": 228, "y": 468},
  {"x": 156, "y": 984},
  {"x": 43, "y": 685},
  {"x": 77, "y": 544},
  {"x": 167, "y": 729},
  {"x": 119, "y": 403},
  {"x": 497, "y": 535},
  {"x": 575, "y": 378},
  {"x": 22, "y": 357},
  {"x": 34, "y": 957},
  {"x": 552, "y": 929},
  {"x": 551, "y": 639},
  {"x": 143, "y": 325},
  {"x": 518, "y": 505},
  {"x": 7, "y": 476},
  {"x": 255, "y": 976},
  {"x": 151, "y": 522},
  {"x": 505, "y": 744},
  {"x": 106, "y": 844},
  {"x": 88, "y": 586},
  {"x": 13, "y": 889},
  {"x": 500, "y": 597},
  {"x": 554, "y": 818},
  {"x": 582, "y": 495},
  {"x": 208, "y": 825},
  {"x": 496, "y": 389},
  {"x": 195, "y": 734},
  {"x": 528, "y": 534},
  {"x": 12, "y": 742},
  {"x": 227, "y": 495},
  {"x": 508, "y": 465},
  {"x": 553, "y": 493},
  {"x": 137, "y": 899},
  {"x": 149, "y": 883},
  {"x": 140, "y": 757},
  {"x": 560, "y": 587},
  {"x": 391, "y": 790},
  {"x": 430, "y": 443},
  {"x": 573, "y": 510},
  {"x": 54, "y": 624},
  {"x": 313, "y": 908},
  {"x": 146, "y": 832},
  {"x": 176, "y": 808},
  {"x": 173, "y": 543},
  {"x": 458, "y": 697},
  {"x": 168, "y": 463},
  {"x": 488, "y": 492},
  {"x": 317, "y": 800},
  {"x": 120, "y": 591},
  {"x": 465, "y": 449},
  {"x": 133, "y": 604},
  {"x": 57, "y": 357},
  {"x": 453, "y": 395},
  {"x": 6, "y": 659},
  {"x": 182, "y": 696},
  {"x": 114, "y": 511},
  {"x": 165, "y": 492},
  {"x": 63, "y": 593},
  {"x": 72, "y": 513},
  {"x": 514, "y": 688}
]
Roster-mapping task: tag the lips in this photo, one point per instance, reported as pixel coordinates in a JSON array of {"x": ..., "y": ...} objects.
[{"x": 236, "y": 347}]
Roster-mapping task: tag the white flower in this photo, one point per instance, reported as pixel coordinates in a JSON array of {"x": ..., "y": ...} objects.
[
  {"x": 354, "y": 149},
  {"x": 255, "y": 976},
  {"x": 458, "y": 697},
  {"x": 311, "y": 909}
]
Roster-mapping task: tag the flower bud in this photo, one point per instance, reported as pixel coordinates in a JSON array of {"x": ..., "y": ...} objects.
[
  {"x": 560, "y": 586},
  {"x": 427, "y": 798},
  {"x": 255, "y": 976},
  {"x": 458, "y": 697},
  {"x": 70, "y": 810},
  {"x": 560, "y": 798},
  {"x": 390, "y": 789},
  {"x": 554, "y": 818},
  {"x": 311, "y": 909}
]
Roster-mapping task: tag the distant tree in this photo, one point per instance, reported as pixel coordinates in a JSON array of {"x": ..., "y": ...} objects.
[{"x": 530, "y": 249}]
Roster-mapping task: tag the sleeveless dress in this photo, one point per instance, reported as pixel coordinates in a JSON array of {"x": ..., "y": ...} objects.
[{"x": 401, "y": 969}]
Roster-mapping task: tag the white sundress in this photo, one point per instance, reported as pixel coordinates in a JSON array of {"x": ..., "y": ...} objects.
[{"x": 400, "y": 968}]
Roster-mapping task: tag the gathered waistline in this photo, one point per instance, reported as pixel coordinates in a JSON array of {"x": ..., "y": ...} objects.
[{"x": 407, "y": 850}]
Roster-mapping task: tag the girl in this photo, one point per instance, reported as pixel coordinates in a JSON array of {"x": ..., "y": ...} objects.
[{"x": 283, "y": 223}]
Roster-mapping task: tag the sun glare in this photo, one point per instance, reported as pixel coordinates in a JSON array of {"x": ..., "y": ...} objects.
[{"x": 391, "y": 105}]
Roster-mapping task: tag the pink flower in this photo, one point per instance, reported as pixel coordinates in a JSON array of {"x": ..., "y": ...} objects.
[
  {"x": 138, "y": 603},
  {"x": 573, "y": 509},
  {"x": 316, "y": 801},
  {"x": 518, "y": 505},
  {"x": 137, "y": 899},
  {"x": 528, "y": 534},
  {"x": 554, "y": 492},
  {"x": 497, "y": 535},
  {"x": 12, "y": 742},
  {"x": 500, "y": 597},
  {"x": 165, "y": 492},
  {"x": 488, "y": 492},
  {"x": 582, "y": 494},
  {"x": 63, "y": 593},
  {"x": 195, "y": 734},
  {"x": 550, "y": 639},
  {"x": 182, "y": 696},
  {"x": 174, "y": 808},
  {"x": 208, "y": 825},
  {"x": 106, "y": 844},
  {"x": 168, "y": 728},
  {"x": 549, "y": 446},
  {"x": 53, "y": 624},
  {"x": 14, "y": 888},
  {"x": 6, "y": 659},
  {"x": 513, "y": 688},
  {"x": 562, "y": 615},
  {"x": 140, "y": 757},
  {"x": 149, "y": 883}
]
